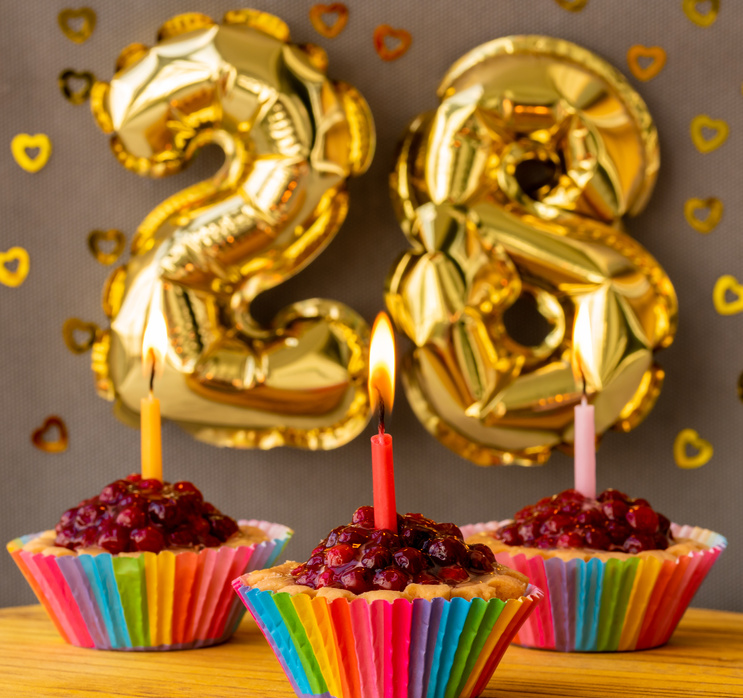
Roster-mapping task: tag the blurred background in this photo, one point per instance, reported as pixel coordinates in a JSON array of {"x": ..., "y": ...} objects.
[{"x": 82, "y": 188}]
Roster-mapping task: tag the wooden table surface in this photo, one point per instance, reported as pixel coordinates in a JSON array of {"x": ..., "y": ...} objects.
[{"x": 704, "y": 658}]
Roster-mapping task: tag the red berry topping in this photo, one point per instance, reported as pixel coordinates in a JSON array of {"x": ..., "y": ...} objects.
[
  {"x": 113, "y": 538},
  {"x": 642, "y": 518},
  {"x": 339, "y": 555},
  {"x": 359, "y": 558},
  {"x": 364, "y": 516},
  {"x": 133, "y": 514},
  {"x": 148, "y": 538},
  {"x": 612, "y": 521},
  {"x": 391, "y": 579}
]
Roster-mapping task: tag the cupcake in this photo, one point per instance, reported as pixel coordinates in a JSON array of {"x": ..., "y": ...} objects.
[
  {"x": 414, "y": 613},
  {"x": 616, "y": 574},
  {"x": 145, "y": 565}
]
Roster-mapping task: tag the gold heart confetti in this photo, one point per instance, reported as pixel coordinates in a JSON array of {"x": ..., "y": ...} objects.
[
  {"x": 75, "y": 96},
  {"x": 719, "y": 295},
  {"x": 40, "y": 437},
  {"x": 657, "y": 56},
  {"x": 384, "y": 33},
  {"x": 318, "y": 13},
  {"x": 23, "y": 142},
  {"x": 702, "y": 18},
  {"x": 712, "y": 205},
  {"x": 87, "y": 25},
  {"x": 688, "y": 438},
  {"x": 74, "y": 326},
  {"x": 98, "y": 237},
  {"x": 704, "y": 144},
  {"x": 14, "y": 277},
  {"x": 572, "y": 5}
]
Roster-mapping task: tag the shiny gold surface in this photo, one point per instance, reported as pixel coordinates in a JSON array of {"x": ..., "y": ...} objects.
[
  {"x": 291, "y": 138},
  {"x": 516, "y": 185}
]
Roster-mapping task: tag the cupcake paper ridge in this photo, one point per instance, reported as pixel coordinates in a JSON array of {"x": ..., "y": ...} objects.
[
  {"x": 393, "y": 649},
  {"x": 151, "y": 601},
  {"x": 612, "y": 605}
]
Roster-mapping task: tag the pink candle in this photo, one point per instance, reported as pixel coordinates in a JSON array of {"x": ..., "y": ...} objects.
[
  {"x": 585, "y": 449},
  {"x": 381, "y": 393}
]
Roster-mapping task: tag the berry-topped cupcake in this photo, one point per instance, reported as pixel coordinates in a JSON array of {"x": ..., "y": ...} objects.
[
  {"x": 617, "y": 575},
  {"x": 136, "y": 515},
  {"x": 145, "y": 564},
  {"x": 413, "y": 611}
]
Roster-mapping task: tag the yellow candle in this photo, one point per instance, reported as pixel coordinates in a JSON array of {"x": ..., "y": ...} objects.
[{"x": 152, "y": 452}]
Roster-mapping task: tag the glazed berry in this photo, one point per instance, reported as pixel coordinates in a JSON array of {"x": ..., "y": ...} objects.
[
  {"x": 449, "y": 529},
  {"x": 134, "y": 514},
  {"x": 364, "y": 516},
  {"x": 357, "y": 580},
  {"x": 447, "y": 551},
  {"x": 355, "y": 535},
  {"x": 222, "y": 527},
  {"x": 148, "y": 539},
  {"x": 642, "y": 518},
  {"x": 112, "y": 493},
  {"x": 339, "y": 555},
  {"x": 570, "y": 539},
  {"x": 569, "y": 520},
  {"x": 376, "y": 557},
  {"x": 455, "y": 574},
  {"x": 410, "y": 560},
  {"x": 510, "y": 534},
  {"x": 132, "y": 517},
  {"x": 391, "y": 579},
  {"x": 88, "y": 515},
  {"x": 479, "y": 560},
  {"x": 113, "y": 538}
]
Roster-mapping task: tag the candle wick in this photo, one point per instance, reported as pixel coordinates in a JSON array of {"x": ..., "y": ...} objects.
[
  {"x": 381, "y": 413},
  {"x": 583, "y": 379},
  {"x": 151, "y": 357}
]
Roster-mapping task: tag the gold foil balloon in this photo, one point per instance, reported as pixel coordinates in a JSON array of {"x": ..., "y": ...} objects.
[
  {"x": 291, "y": 138},
  {"x": 516, "y": 186}
]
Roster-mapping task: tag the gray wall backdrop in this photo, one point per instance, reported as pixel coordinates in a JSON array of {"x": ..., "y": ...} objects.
[{"x": 83, "y": 187}]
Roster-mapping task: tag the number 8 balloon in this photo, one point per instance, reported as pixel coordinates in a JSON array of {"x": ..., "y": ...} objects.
[
  {"x": 515, "y": 186},
  {"x": 291, "y": 138}
]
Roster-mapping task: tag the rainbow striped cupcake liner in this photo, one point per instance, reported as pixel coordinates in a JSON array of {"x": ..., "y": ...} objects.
[
  {"x": 613, "y": 605},
  {"x": 146, "y": 601},
  {"x": 381, "y": 649}
]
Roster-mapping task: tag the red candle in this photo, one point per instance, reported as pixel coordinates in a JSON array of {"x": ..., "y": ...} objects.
[{"x": 381, "y": 395}]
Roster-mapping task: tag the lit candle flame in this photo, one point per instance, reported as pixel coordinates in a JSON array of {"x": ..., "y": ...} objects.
[
  {"x": 154, "y": 340},
  {"x": 583, "y": 347},
  {"x": 382, "y": 363}
]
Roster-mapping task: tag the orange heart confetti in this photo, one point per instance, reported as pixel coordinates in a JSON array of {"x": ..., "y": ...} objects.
[
  {"x": 330, "y": 29},
  {"x": 71, "y": 330},
  {"x": 703, "y": 143},
  {"x": 98, "y": 237},
  {"x": 688, "y": 438},
  {"x": 80, "y": 95},
  {"x": 14, "y": 277},
  {"x": 702, "y": 17},
  {"x": 713, "y": 208},
  {"x": 572, "y": 5},
  {"x": 87, "y": 17},
  {"x": 40, "y": 437},
  {"x": 22, "y": 143},
  {"x": 723, "y": 285},
  {"x": 384, "y": 35},
  {"x": 636, "y": 53}
]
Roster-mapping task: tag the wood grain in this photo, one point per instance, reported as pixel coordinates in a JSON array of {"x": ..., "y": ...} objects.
[{"x": 704, "y": 658}]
